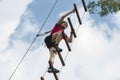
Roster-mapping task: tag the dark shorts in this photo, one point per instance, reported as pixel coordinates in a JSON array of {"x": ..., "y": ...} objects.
[{"x": 48, "y": 41}]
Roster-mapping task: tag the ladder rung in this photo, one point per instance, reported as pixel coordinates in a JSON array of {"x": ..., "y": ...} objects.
[
  {"x": 69, "y": 49},
  {"x": 42, "y": 78},
  {"x": 84, "y": 5},
  {"x": 71, "y": 26},
  {"x": 55, "y": 75},
  {"x": 77, "y": 13},
  {"x": 61, "y": 59}
]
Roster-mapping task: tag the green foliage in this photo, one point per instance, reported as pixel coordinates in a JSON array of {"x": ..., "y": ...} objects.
[{"x": 104, "y": 7}]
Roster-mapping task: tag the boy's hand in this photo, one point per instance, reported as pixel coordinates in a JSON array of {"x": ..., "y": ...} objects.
[{"x": 73, "y": 10}]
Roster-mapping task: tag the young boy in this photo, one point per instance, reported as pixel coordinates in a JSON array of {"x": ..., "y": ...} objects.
[{"x": 55, "y": 37}]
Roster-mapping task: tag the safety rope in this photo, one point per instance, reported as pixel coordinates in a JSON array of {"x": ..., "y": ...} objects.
[
  {"x": 43, "y": 34},
  {"x": 32, "y": 41}
]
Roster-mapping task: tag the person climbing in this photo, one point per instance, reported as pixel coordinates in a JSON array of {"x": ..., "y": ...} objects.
[{"x": 52, "y": 41}]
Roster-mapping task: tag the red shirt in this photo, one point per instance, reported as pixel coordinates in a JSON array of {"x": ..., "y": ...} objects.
[{"x": 57, "y": 28}]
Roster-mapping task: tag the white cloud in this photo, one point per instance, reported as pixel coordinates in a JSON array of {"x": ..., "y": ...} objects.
[
  {"x": 10, "y": 14},
  {"x": 92, "y": 57},
  {"x": 98, "y": 57},
  {"x": 9, "y": 58},
  {"x": 28, "y": 28},
  {"x": 116, "y": 19},
  {"x": 5, "y": 32},
  {"x": 12, "y": 10}
]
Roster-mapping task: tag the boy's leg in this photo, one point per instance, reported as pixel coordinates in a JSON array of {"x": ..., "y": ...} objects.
[
  {"x": 57, "y": 37},
  {"x": 52, "y": 55},
  {"x": 51, "y": 59}
]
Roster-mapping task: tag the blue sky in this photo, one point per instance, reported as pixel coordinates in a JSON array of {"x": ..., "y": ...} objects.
[{"x": 95, "y": 52}]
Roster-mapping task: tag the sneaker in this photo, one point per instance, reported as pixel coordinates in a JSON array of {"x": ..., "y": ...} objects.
[
  {"x": 49, "y": 70},
  {"x": 55, "y": 70},
  {"x": 58, "y": 49}
]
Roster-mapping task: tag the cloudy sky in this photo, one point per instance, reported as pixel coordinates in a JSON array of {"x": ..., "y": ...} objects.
[{"x": 95, "y": 52}]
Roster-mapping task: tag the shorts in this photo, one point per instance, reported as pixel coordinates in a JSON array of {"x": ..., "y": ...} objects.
[{"x": 48, "y": 41}]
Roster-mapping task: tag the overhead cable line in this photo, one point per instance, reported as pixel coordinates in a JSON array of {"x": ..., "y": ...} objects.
[
  {"x": 33, "y": 41},
  {"x": 48, "y": 16}
]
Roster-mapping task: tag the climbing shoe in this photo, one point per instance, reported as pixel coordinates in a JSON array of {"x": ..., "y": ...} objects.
[
  {"x": 55, "y": 70},
  {"x": 58, "y": 49}
]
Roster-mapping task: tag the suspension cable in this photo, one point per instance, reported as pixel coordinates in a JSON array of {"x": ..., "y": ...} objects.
[{"x": 32, "y": 41}]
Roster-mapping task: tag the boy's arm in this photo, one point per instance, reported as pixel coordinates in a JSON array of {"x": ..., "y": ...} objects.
[
  {"x": 70, "y": 38},
  {"x": 65, "y": 15}
]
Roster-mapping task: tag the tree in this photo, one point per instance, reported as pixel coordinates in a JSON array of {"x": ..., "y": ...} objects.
[{"x": 103, "y": 7}]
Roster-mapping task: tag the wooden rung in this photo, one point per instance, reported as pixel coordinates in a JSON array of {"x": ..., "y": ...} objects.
[
  {"x": 84, "y": 5},
  {"x": 69, "y": 49},
  {"x": 61, "y": 59},
  {"x": 55, "y": 75},
  {"x": 42, "y": 78},
  {"x": 77, "y": 13},
  {"x": 71, "y": 26}
]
